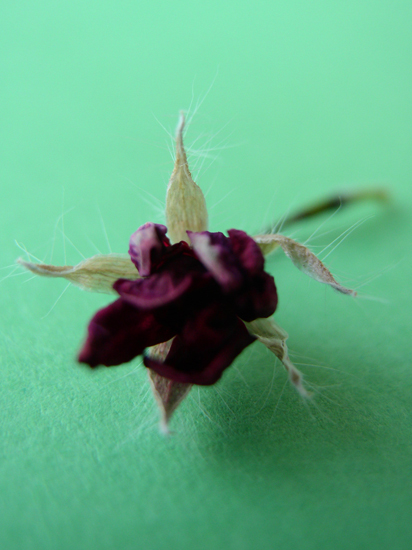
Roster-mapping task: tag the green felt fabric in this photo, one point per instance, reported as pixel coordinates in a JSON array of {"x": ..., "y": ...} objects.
[{"x": 305, "y": 98}]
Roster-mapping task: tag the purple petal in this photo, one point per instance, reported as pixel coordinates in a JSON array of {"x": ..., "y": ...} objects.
[
  {"x": 172, "y": 281},
  {"x": 216, "y": 254},
  {"x": 146, "y": 247},
  {"x": 247, "y": 251},
  {"x": 258, "y": 298},
  {"x": 120, "y": 332},
  {"x": 156, "y": 291},
  {"x": 207, "y": 345}
]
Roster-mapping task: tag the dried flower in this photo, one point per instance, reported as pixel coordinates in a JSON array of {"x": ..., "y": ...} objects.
[
  {"x": 195, "y": 301},
  {"x": 198, "y": 295}
]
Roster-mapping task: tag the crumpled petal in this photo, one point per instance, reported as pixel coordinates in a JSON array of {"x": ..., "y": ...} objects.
[
  {"x": 258, "y": 298},
  {"x": 158, "y": 290},
  {"x": 174, "y": 280},
  {"x": 207, "y": 345},
  {"x": 120, "y": 332},
  {"x": 247, "y": 252},
  {"x": 146, "y": 247},
  {"x": 237, "y": 265},
  {"x": 215, "y": 252}
]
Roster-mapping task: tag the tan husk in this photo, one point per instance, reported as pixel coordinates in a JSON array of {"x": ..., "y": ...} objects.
[
  {"x": 302, "y": 258},
  {"x": 96, "y": 274},
  {"x": 168, "y": 394},
  {"x": 185, "y": 203},
  {"x": 274, "y": 338}
]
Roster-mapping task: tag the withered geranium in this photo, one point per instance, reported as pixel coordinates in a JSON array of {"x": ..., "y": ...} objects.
[
  {"x": 191, "y": 302},
  {"x": 198, "y": 295}
]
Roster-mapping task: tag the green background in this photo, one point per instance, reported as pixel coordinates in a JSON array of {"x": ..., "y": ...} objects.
[{"x": 300, "y": 99}]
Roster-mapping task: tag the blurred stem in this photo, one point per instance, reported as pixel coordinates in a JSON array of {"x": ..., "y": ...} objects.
[{"x": 332, "y": 203}]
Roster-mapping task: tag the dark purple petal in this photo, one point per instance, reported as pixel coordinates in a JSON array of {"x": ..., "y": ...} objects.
[
  {"x": 153, "y": 292},
  {"x": 257, "y": 299},
  {"x": 146, "y": 247},
  {"x": 174, "y": 279},
  {"x": 216, "y": 254},
  {"x": 247, "y": 251},
  {"x": 206, "y": 346},
  {"x": 120, "y": 332}
]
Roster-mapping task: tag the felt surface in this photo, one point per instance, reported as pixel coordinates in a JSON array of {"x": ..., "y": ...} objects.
[{"x": 309, "y": 97}]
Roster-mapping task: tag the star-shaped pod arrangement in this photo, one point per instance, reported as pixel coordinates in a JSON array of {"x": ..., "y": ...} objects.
[{"x": 188, "y": 300}]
